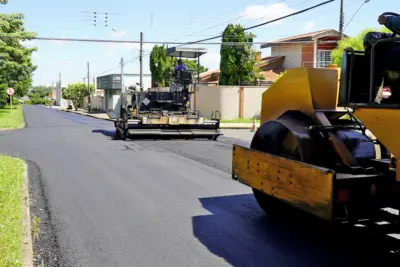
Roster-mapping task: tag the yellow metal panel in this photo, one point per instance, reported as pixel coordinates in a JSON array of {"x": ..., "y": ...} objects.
[
  {"x": 182, "y": 120},
  {"x": 384, "y": 123},
  {"x": 291, "y": 92},
  {"x": 324, "y": 88},
  {"x": 303, "y": 89},
  {"x": 304, "y": 186},
  {"x": 173, "y": 120}
]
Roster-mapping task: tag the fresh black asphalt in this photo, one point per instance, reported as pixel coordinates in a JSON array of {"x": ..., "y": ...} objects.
[{"x": 150, "y": 203}]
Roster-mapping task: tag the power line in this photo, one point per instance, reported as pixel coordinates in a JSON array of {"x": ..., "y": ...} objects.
[
  {"x": 119, "y": 65},
  {"x": 244, "y": 15},
  {"x": 135, "y": 41},
  {"x": 268, "y": 22},
  {"x": 169, "y": 42},
  {"x": 363, "y": 3},
  {"x": 228, "y": 21},
  {"x": 290, "y": 15}
]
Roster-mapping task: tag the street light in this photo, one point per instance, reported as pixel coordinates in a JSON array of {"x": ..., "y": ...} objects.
[
  {"x": 123, "y": 35},
  {"x": 362, "y": 4},
  {"x": 139, "y": 50}
]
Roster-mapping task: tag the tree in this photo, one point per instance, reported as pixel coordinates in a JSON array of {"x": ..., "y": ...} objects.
[
  {"x": 237, "y": 60},
  {"x": 39, "y": 94},
  {"x": 41, "y": 91},
  {"x": 192, "y": 64},
  {"x": 16, "y": 66},
  {"x": 355, "y": 42},
  {"x": 161, "y": 66},
  {"x": 76, "y": 92}
]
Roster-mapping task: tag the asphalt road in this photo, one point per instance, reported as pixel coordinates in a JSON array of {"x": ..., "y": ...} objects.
[{"x": 153, "y": 203}]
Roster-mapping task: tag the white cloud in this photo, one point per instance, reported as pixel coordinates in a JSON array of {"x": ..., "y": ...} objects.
[
  {"x": 211, "y": 60},
  {"x": 266, "y": 13},
  {"x": 309, "y": 26}
]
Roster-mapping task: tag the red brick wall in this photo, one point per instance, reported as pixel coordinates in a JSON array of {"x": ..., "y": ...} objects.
[{"x": 308, "y": 51}]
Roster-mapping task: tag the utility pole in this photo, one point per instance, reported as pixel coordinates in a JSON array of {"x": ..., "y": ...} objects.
[
  {"x": 84, "y": 80},
  {"x": 141, "y": 61},
  {"x": 122, "y": 76},
  {"x": 88, "y": 85},
  {"x": 122, "y": 84},
  {"x": 59, "y": 93},
  {"x": 341, "y": 19},
  {"x": 51, "y": 94}
]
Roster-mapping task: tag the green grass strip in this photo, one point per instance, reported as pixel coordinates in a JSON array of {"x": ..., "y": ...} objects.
[{"x": 11, "y": 213}]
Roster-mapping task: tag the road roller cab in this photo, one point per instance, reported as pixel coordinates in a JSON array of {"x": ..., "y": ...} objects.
[{"x": 327, "y": 147}]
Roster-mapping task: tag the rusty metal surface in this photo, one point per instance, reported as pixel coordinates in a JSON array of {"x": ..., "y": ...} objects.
[{"x": 302, "y": 185}]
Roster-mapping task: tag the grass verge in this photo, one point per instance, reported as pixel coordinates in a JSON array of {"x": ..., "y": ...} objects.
[
  {"x": 11, "y": 119},
  {"x": 11, "y": 214},
  {"x": 240, "y": 121}
]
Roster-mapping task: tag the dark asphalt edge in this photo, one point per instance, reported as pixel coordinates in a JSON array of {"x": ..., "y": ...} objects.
[
  {"x": 46, "y": 249},
  {"x": 23, "y": 115},
  {"x": 87, "y": 115}
]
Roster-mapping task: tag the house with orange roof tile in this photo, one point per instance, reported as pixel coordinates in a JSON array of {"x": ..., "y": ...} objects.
[{"x": 310, "y": 50}]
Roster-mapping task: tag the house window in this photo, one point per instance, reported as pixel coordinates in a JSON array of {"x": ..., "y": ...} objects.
[{"x": 324, "y": 58}]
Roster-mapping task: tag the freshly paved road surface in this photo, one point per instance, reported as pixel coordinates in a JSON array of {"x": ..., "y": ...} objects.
[{"x": 152, "y": 203}]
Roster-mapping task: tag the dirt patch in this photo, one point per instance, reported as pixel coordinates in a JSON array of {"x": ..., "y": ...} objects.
[
  {"x": 27, "y": 250},
  {"x": 46, "y": 250}
]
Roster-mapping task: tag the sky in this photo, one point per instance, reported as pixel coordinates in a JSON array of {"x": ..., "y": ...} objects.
[{"x": 164, "y": 21}]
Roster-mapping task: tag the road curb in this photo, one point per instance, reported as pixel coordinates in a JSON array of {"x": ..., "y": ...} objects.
[
  {"x": 27, "y": 246},
  {"x": 87, "y": 115}
]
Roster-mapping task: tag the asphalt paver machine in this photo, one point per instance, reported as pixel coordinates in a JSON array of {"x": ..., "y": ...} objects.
[{"x": 165, "y": 114}]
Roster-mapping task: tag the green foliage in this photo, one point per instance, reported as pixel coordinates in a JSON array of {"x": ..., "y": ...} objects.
[
  {"x": 161, "y": 66},
  {"x": 39, "y": 101},
  {"x": 237, "y": 61},
  {"x": 192, "y": 64},
  {"x": 355, "y": 42},
  {"x": 16, "y": 66},
  {"x": 39, "y": 95},
  {"x": 280, "y": 76},
  {"x": 41, "y": 91},
  {"x": 76, "y": 93}
]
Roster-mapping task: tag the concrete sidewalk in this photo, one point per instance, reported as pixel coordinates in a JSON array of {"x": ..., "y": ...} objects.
[
  {"x": 101, "y": 116},
  {"x": 104, "y": 116}
]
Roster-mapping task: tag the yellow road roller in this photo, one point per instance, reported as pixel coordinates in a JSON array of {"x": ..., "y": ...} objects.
[{"x": 329, "y": 138}]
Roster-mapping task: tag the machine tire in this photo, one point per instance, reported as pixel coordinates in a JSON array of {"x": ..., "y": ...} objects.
[
  {"x": 124, "y": 136},
  {"x": 269, "y": 138},
  {"x": 117, "y": 135},
  {"x": 213, "y": 137},
  {"x": 270, "y": 205}
]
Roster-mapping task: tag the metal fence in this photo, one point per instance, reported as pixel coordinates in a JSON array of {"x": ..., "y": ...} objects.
[{"x": 320, "y": 64}]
